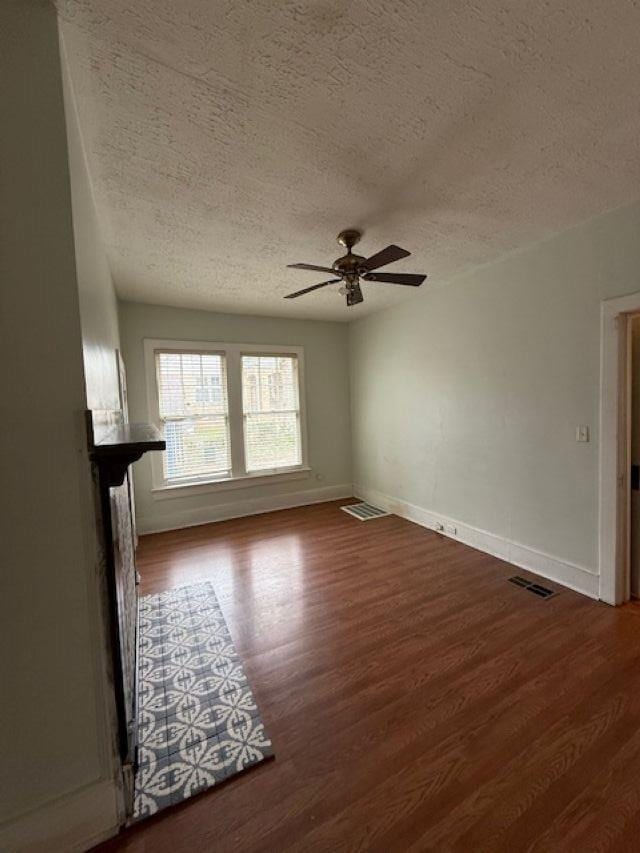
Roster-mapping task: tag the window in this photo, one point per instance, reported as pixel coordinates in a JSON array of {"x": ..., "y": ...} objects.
[
  {"x": 192, "y": 396},
  {"x": 271, "y": 411},
  {"x": 230, "y": 412}
]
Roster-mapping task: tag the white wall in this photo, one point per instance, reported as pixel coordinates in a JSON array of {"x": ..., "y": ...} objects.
[
  {"x": 327, "y": 395},
  {"x": 56, "y": 777},
  {"x": 465, "y": 399}
]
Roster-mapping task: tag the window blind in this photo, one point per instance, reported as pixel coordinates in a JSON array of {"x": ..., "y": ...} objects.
[
  {"x": 192, "y": 396},
  {"x": 271, "y": 409}
]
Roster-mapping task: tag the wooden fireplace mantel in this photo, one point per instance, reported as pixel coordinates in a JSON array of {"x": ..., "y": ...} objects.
[
  {"x": 113, "y": 444},
  {"x": 115, "y": 447}
]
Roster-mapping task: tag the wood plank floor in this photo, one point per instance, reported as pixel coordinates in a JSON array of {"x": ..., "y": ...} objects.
[{"x": 416, "y": 699}]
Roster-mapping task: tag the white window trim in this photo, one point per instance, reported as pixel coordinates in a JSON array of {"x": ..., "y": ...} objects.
[{"x": 160, "y": 488}]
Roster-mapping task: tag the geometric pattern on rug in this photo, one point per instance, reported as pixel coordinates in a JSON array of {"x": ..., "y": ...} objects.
[{"x": 198, "y": 722}]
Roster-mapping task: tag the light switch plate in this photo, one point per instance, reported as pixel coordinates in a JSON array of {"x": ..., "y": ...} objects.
[{"x": 582, "y": 433}]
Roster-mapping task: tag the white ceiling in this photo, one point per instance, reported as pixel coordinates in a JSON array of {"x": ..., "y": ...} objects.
[{"x": 229, "y": 138}]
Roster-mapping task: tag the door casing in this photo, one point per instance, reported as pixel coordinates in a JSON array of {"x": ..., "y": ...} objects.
[{"x": 614, "y": 493}]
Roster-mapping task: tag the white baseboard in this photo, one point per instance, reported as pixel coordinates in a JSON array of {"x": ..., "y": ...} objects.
[
  {"x": 555, "y": 569},
  {"x": 239, "y": 509},
  {"x": 74, "y": 822}
]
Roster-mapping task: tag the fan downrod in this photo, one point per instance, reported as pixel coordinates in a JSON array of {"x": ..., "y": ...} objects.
[{"x": 349, "y": 238}]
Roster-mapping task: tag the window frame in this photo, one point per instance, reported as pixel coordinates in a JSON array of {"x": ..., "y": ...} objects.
[
  {"x": 201, "y": 478},
  {"x": 232, "y": 352}
]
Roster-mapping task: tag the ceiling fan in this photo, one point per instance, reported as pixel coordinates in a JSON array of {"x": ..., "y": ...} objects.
[{"x": 351, "y": 268}]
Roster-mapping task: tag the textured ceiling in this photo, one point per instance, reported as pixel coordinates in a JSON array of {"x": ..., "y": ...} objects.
[{"x": 227, "y": 139}]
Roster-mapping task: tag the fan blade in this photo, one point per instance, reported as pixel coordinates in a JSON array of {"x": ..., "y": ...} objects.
[
  {"x": 309, "y": 289},
  {"x": 354, "y": 296},
  {"x": 311, "y": 267},
  {"x": 395, "y": 278},
  {"x": 386, "y": 256}
]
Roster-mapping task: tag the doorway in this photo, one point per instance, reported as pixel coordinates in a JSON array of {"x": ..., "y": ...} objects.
[
  {"x": 616, "y": 504},
  {"x": 634, "y": 510}
]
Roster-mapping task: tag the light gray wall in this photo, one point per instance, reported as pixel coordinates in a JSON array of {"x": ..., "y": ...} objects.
[
  {"x": 98, "y": 303},
  {"x": 327, "y": 396},
  {"x": 465, "y": 399},
  {"x": 55, "y": 771}
]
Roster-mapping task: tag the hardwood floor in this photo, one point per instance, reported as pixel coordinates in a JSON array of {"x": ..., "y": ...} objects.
[{"x": 415, "y": 698}]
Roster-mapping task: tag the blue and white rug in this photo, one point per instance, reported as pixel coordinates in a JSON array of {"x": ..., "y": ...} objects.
[{"x": 198, "y": 722}]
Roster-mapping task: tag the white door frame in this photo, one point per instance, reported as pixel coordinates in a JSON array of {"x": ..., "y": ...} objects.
[{"x": 615, "y": 441}]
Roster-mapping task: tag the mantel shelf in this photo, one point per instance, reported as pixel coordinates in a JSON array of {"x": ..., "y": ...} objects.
[
  {"x": 115, "y": 447},
  {"x": 128, "y": 437}
]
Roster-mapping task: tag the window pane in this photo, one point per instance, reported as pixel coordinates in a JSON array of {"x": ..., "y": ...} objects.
[
  {"x": 269, "y": 383},
  {"x": 270, "y": 402},
  {"x": 272, "y": 440},
  {"x": 196, "y": 448},
  {"x": 191, "y": 384}
]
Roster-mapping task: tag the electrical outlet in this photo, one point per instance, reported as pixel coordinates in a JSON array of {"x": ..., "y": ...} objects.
[{"x": 451, "y": 529}]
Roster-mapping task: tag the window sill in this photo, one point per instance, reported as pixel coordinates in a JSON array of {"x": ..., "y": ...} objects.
[{"x": 161, "y": 493}]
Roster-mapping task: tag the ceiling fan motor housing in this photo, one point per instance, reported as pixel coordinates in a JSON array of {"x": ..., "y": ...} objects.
[{"x": 348, "y": 264}]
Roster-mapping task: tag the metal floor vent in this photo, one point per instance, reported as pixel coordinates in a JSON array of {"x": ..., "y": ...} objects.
[
  {"x": 530, "y": 586},
  {"x": 364, "y": 511}
]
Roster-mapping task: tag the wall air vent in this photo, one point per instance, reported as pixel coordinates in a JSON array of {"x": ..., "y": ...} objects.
[
  {"x": 531, "y": 586},
  {"x": 364, "y": 511}
]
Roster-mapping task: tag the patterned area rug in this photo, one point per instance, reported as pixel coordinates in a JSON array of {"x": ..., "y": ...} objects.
[{"x": 198, "y": 722}]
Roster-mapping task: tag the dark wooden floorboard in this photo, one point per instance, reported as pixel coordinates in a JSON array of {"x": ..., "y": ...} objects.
[{"x": 416, "y": 699}]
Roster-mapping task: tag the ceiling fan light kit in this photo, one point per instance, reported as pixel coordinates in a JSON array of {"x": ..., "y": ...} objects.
[{"x": 351, "y": 268}]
